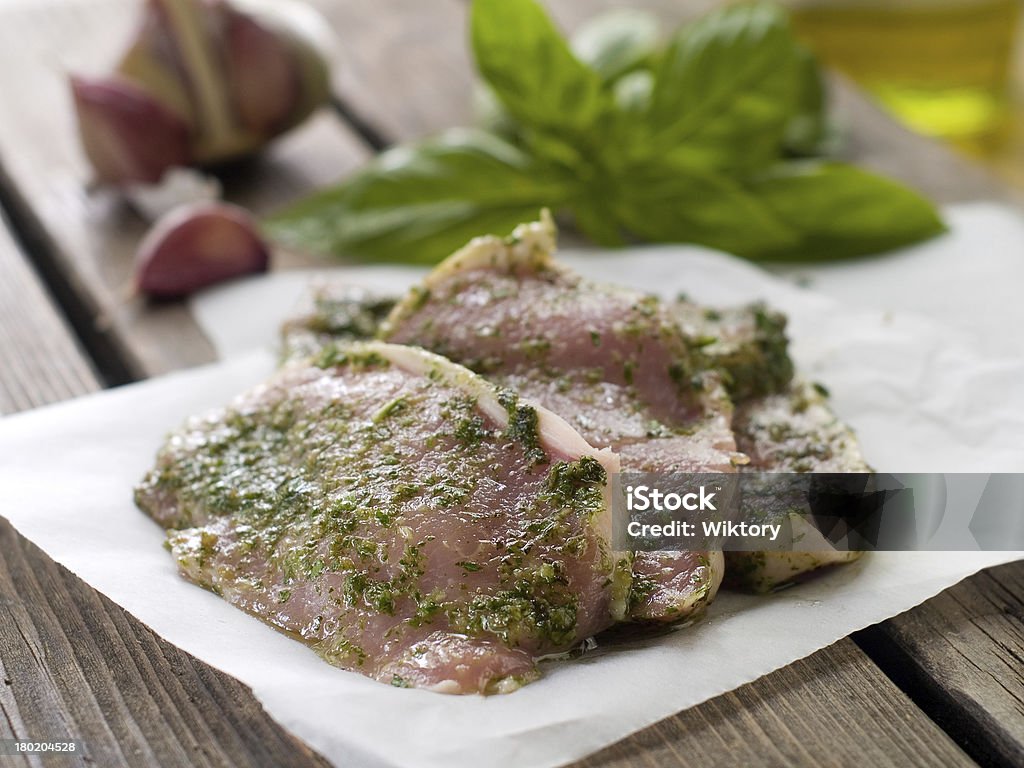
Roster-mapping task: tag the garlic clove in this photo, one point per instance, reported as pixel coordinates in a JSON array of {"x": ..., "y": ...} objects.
[
  {"x": 314, "y": 76},
  {"x": 153, "y": 63},
  {"x": 127, "y": 134},
  {"x": 197, "y": 246},
  {"x": 192, "y": 31},
  {"x": 310, "y": 40},
  {"x": 263, "y": 74}
]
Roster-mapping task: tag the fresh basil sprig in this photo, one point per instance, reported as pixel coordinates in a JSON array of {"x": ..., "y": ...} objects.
[
  {"x": 418, "y": 204},
  {"x": 717, "y": 137}
]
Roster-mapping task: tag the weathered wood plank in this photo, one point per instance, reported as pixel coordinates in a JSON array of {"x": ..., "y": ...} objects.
[
  {"x": 402, "y": 65},
  {"x": 40, "y": 361},
  {"x": 799, "y": 715},
  {"x": 86, "y": 240},
  {"x": 962, "y": 653},
  {"x": 72, "y": 664},
  {"x": 75, "y": 666}
]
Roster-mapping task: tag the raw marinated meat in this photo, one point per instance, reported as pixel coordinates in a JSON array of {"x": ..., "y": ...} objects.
[
  {"x": 747, "y": 344},
  {"x": 399, "y": 514},
  {"x": 792, "y": 431},
  {"x": 612, "y": 362},
  {"x": 336, "y": 313},
  {"x": 781, "y": 424}
]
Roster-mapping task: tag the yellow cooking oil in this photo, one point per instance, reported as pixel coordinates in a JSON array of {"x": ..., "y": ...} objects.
[{"x": 943, "y": 66}]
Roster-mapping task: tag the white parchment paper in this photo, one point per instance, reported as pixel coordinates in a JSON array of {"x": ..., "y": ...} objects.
[{"x": 922, "y": 395}]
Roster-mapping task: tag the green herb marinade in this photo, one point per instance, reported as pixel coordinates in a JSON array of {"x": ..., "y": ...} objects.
[{"x": 324, "y": 492}]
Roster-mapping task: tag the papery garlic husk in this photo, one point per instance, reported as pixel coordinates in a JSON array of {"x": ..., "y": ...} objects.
[
  {"x": 232, "y": 77},
  {"x": 179, "y": 187},
  {"x": 196, "y": 246}
]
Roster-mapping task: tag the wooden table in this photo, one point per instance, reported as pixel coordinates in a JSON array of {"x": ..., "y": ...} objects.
[{"x": 940, "y": 685}]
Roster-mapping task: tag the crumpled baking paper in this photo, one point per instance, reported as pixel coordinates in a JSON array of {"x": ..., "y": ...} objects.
[{"x": 922, "y": 396}]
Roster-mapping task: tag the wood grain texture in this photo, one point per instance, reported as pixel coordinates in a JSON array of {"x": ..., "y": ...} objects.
[
  {"x": 41, "y": 361},
  {"x": 962, "y": 653},
  {"x": 799, "y": 715},
  {"x": 403, "y": 65},
  {"x": 75, "y": 666},
  {"x": 85, "y": 240},
  {"x": 72, "y": 664}
]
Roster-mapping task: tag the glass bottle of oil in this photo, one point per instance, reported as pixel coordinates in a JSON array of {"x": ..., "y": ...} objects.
[{"x": 943, "y": 66}]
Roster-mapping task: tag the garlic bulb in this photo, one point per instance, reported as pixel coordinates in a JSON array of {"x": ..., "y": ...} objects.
[{"x": 203, "y": 82}]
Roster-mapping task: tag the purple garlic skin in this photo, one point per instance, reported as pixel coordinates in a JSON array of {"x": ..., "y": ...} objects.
[
  {"x": 202, "y": 82},
  {"x": 197, "y": 246},
  {"x": 126, "y": 133},
  {"x": 263, "y": 79}
]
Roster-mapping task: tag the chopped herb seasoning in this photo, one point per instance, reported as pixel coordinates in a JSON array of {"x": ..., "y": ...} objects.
[
  {"x": 331, "y": 498},
  {"x": 628, "y": 369},
  {"x": 418, "y": 297},
  {"x": 535, "y": 349},
  {"x": 391, "y": 408},
  {"x": 471, "y": 430},
  {"x": 750, "y": 348},
  {"x": 523, "y": 427},
  {"x": 338, "y": 315}
]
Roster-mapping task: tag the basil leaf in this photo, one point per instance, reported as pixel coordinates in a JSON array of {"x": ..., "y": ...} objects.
[
  {"x": 617, "y": 42},
  {"x": 527, "y": 62},
  {"x": 633, "y": 93},
  {"x": 491, "y": 115},
  {"x": 843, "y": 211},
  {"x": 421, "y": 203},
  {"x": 595, "y": 219},
  {"x": 808, "y": 131},
  {"x": 674, "y": 201},
  {"x": 682, "y": 145},
  {"x": 727, "y": 88}
]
